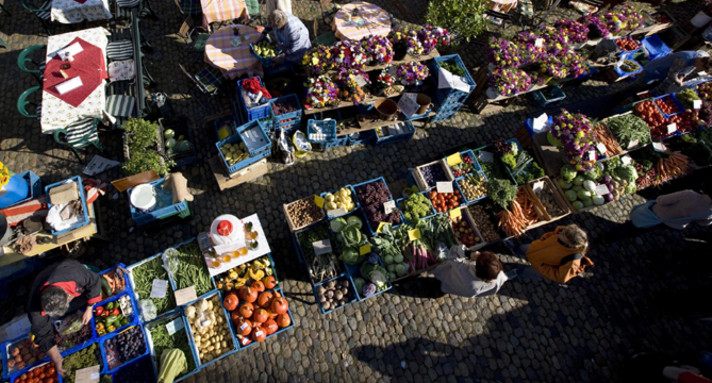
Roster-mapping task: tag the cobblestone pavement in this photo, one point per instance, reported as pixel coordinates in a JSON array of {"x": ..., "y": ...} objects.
[{"x": 531, "y": 331}]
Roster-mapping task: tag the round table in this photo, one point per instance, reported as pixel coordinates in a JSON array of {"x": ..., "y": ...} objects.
[
  {"x": 231, "y": 53},
  {"x": 359, "y": 19}
]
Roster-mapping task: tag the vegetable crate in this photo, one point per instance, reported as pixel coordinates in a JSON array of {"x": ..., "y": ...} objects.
[
  {"x": 82, "y": 220},
  {"x": 265, "y": 61},
  {"x": 455, "y": 190},
  {"x": 540, "y": 99},
  {"x": 143, "y": 217},
  {"x": 679, "y": 106},
  {"x": 496, "y": 164},
  {"x": 391, "y": 134},
  {"x": 132, "y": 283},
  {"x": 353, "y": 197},
  {"x": 172, "y": 278},
  {"x": 16, "y": 377},
  {"x": 623, "y": 74},
  {"x": 132, "y": 318},
  {"x": 459, "y": 188},
  {"x": 301, "y": 256},
  {"x": 351, "y": 291},
  {"x": 225, "y": 127},
  {"x": 420, "y": 178},
  {"x": 372, "y": 230},
  {"x": 105, "y": 351},
  {"x": 467, "y": 216},
  {"x": 450, "y": 100},
  {"x": 354, "y": 272},
  {"x": 399, "y": 203},
  {"x": 655, "y": 47},
  {"x": 325, "y": 127},
  {"x": 620, "y": 50},
  {"x": 14, "y": 372},
  {"x": 184, "y": 158},
  {"x": 256, "y": 141},
  {"x": 292, "y": 225},
  {"x": 467, "y": 153},
  {"x": 126, "y": 288},
  {"x": 135, "y": 364},
  {"x": 180, "y": 323},
  {"x": 547, "y": 186},
  {"x": 255, "y": 113},
  {"x": 286, "y": 121},
  {"x": 191, "y": 336}
]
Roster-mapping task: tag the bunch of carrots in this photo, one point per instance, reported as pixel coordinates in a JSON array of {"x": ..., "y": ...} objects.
[
  {"x": 603, "y": 136},
  {"x": 520, "y": 215},
  {"x": 676, "y": 165}
]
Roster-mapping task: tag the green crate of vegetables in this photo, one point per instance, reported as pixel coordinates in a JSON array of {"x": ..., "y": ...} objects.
[
  {"x": 86, "y": 357},
  {"x": 142, "y": 276},
  {"x": 169, "y": 332},
  {"x": 186, "y": 267}
]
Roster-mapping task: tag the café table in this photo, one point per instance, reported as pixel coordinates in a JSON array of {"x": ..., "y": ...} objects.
[
  {"x": 222, "y": 10},
  {"x": 359, "y": 19},
  {"x": 230, "y": 52},
  {"x": 76, "y": 11}
]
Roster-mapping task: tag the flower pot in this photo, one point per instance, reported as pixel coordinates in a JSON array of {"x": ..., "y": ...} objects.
[
  {"x": 423, "y": 103},
  {"x": 15, "y": 190},
  {"x": 399, "y": 52},
  {"x": 386, "y": 108},
  {"x": 700, "y": 19}
]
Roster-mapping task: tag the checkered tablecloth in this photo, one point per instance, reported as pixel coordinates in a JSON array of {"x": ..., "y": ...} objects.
[
  {"x": 72, "y": 12},
  {"x": 233, "y": 57},
  {"x": 56, "y": 114},
  {"x": 503, "y": 6},
  {"x": 222, "y": 10},
  {"x": 359, "y": 19}
]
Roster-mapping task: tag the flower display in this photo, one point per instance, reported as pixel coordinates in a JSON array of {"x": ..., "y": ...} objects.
[
  {"x": 632, "y": 18},
  {"x": 532, "y": 47},
  {"x": 385, "y": 78},
  {"x": 576, "y": 32},
  {"x": 321, "y": 92},
  {"x": 575, "y": 134},
  {"x": 348, "y": 54},
  {"x": 411, "y": 73},
  {"x": 318, "y": 60},
  {"x": 4, "y": 175},
  {"x": 503, "y": 53},
  {"x": 612, "y": 21},
  {"x": 349, "y": 88},
  {"x": 430, "y": 37},
  {"x": 407, "y": 40},
  {"x": 596, "y": 27},
  {"x": 510, "y": 81},
  {"x": 379, "y": 49}
]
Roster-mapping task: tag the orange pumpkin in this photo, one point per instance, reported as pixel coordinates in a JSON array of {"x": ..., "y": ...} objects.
[
  {"x": 279, "y": 305},
  {"x": 260, "y": 316},
  {"x": 259, "y": 334},
  {"x": 243, "y": 327},
  {"x": 247, "y": 294},
  {"x": 269, "y": 282},
  {"x": 283, "y": 320},
  {"x": 258, "y": 285},
  {"x": 235, "y": 317},
  {"x": 264, "y": 299},
  {"x": 270, "y": 326},
  {"x": 230, "y": 302},
  {"x": 246, "y": 310}
]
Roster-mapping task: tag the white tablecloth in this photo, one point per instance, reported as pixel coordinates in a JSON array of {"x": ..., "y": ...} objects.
[
  {"x": 57, "y": 114},
  {"x": 71, "y": 12}
]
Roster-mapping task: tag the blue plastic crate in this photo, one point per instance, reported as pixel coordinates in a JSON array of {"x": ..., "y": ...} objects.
[
  {"x": 259, "y": 148},
  {"x": 171, "y": 278},
  {"x": 131, "y": 282},
  {"x": 251, "y": 343},
  {"x": 190, "y": 353},
  {"x": 227, "y": 124},
  {"x": 83, "y": 221},
  {"x": 127, "y": 288},
  {"x": 455, "y": 190},
  {"x": 655, "y": 47},
  {"x": 399, "y": 204},
  {"x": 529, "y": 124},
  {"x": 5, "y": 352},
  {"x": 287, "y": 120},
  {"x": 137, "y": 363},
  {"x": 626, "y": 51},
  {"x": 15, "y": 377},
  {"x": 352, "y": 292},
  {"x": 144, "y": 217},
  {"x": 443, "y": 115},
  {"x": 372, "y": 230},
  {"x": 359, "y": 138},
  {"x": 541, "y": 101},
  {"x": 255, "y": 113},
  {"x": 464, "y": 198},
  {"x": 623, "y": 74},
  {"x": 202, "y": 364},
  {"x": 353, "y": 197},
  {"x": 133, "y": 318},
  {"x": 458, "y": 61},
  {"x": 105, "y": 351},
  {"x": 35, "y": 184},
  {"x": 392, "y": 139},
  {"x": 680, "y": 108},
  {"x": 354, "y": 272},
  {"x": 301, "y": 257},
  {"x": 265, "y": 61},
  {"x": 452, "y": 99},
  {"x": 467, "y": 153},
  {"x": 326, "y": 127}
]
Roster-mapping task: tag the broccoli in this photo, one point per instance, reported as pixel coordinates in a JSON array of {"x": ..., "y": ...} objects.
[{"x": 509, "y": 160}]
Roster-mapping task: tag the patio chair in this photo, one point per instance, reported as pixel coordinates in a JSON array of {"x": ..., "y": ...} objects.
[
  {"x": 119, "y": 108},
  {"x": 120, "y": 50},
  {"x": 23, "y": 101},
  {"x": 199, "y": 42},
  {"x": 207, "y": 80},
  {"x": 189, "y": 7},
  {"x": 43, "y": 12},
  {"x": 79, "y": 134}
]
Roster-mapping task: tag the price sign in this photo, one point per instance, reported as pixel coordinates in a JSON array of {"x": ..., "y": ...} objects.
[
  {"x": 365, "y": 249},
  {"x": 408, "y": 105},
  {"x": 696, "y": 104},
  {"x": 337, "y": 212},
  {"x": 185, "y": 295},
  {"x": 626, "y": 160},
  {"x": 672, "y": 128},
  {"x": 602, "y": 189},
  {"x": 381, "y": 225},
  {"x": 174, "y": 326},
  {"x": 633, "y": 143},
  {"x": 444, "y": 187},
  {"x": 659, "y": 147},
  {"x": 319, "y": 201},
  {"x": 538, "y": 186},
  {"x": 456, "y": 213},
  {"x": 389, "y": 206},
  {"x": 591, "y": 155},
  {"x": 485, "y": 156},
  {"x": 87, "y": 375},
  {"x": 158, "y": 289},
  {"x": 539, "y": 42},
  {"x": 601, "y": 148},
  {"x": 414, "y": 234},
  {"x": 322, "y": 247},
  {"x": 454, "y": 159}
]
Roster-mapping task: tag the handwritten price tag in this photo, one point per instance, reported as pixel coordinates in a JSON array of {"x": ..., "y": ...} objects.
[
  {"x": 414, "y": 234},
  {"x": 319, "y": 201},
  {"x": 174, "y": 326},
  {"x": 591, "y": 155},
  {"x": 87, "y": 375},
  {"x": 158, "y": 288},
  {"x": 322, "y": 247},
  {"x": 444, "y": 187},
  {"x": 454, "y": 159},
  {"x": 601, "y": 148},
  {"x": 696, "y": 104},
  {"x": 672, "y": 128},
  {"x": 626, "y": 160},
  {"x": 456, "y": 213},
  {"x": 389, "y": 206},
  {"x": 381, "y": 225},
  {"x": 602, "y": 189},
  {"x": 185, "y": 295},
  {"x": 538, "y": 186},
  {"x": 633, "y": 143},
  {"x": 539, "y": 42},
  {"x": 337, "y": 212}
]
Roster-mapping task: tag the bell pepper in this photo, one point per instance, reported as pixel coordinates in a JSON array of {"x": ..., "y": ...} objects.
[
  {"x": 113, "y": 322},
  {"x": 99, "y": 326},
  {"x": 98, "y": 310},
  {"x": 104, "y": 314},
  {"x": 115, "y": 312},
  {"x": 110, "y": 328}
]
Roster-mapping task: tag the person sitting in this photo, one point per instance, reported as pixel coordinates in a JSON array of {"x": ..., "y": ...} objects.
[
  {"x": 61, "y": 289},
  {"x": 291, "y": 35},
  {"x": 480, "y": 275}
]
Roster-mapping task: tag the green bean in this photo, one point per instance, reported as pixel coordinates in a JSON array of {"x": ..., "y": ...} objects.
[{"x": 143, "y": 277}]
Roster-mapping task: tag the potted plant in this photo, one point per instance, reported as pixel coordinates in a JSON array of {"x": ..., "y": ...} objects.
[{"x": 141, "y": 149}]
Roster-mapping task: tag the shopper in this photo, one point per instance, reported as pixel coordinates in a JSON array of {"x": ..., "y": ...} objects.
[
  {"x": 557, "y": 255},
  {"x": 60, "y": 289},
  {"x": 676, "y": 64},
  {"x": 476, "y": 275},
  {"x": 291, "y": 34},
  {"x": 675, "y": 210},
  {"x": 679, "y": 70}
]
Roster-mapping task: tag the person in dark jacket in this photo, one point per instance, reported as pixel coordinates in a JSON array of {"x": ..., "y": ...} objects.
[{"x": 61, "y": 289}]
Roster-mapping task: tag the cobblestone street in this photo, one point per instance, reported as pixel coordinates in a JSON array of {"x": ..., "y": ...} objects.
[{"x": 639, "y": 296}]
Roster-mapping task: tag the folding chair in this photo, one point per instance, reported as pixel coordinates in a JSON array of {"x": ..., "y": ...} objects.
[
  {"x": 43, "y": 12},
  {"x": 199, "y": 42},
  {"x": 120, "y": 108},
  {"x": 23, "y": 101},
  {"x": 207, "y": 80},
  {"x": 79, "y": 134},
  {"x": 120, "y": 50}
]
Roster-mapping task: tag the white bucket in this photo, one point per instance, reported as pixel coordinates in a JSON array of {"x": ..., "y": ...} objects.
[{"x": 143, "y": 197}]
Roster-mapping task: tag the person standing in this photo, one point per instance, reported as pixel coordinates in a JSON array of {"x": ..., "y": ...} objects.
[
  {"x": 480, "y": 274},
  {"x": 61, "y": 289}
]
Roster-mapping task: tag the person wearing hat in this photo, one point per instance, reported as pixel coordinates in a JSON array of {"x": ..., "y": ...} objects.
[
  {"x": 60, "y": 289},
  {"x": 291, "y": 36}
]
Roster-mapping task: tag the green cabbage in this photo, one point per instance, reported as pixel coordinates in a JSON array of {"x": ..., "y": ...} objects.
[
  {"x": 338, "y": 224},
  {"x": 578, "y": 205},
  {"x": 578, "y": 180},
  {"x": 584, "y": 194},
  {"x": 563, "y": 184},
  {"x": 571, "y": 195},
  {"x": 589, "y": 185},
  {"x": 567, "y": 173}
]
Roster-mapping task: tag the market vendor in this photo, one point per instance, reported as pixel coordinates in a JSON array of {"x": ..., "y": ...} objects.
[
  {"x": 291, "y": 34},
  {"x": 474, "y": 275},
  {"x": 677, "y": 64},
  {"x": 680, "y": 68},
  {"x": 676, "y": 210},
  {"x": 61, "y": 289}
]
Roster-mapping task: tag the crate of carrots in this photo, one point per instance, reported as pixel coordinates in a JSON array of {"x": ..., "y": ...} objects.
[{"x": 525, "y": 212}]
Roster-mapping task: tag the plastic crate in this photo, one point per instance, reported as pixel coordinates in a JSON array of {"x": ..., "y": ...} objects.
[
  {"x": 354, "y": 272},
  {"x": 353, "y": 197},
  {"x": 265, "y": 61},
  {"x": 443, "y": 95},
  {"x": 655, "y": 47},
  {"x": 352, "y": 291},
  {"x": 82, "y": 221},
  {"x": 136, "y": 363},
  {"x": 444, "y": 115},
  {"x": 541, "y": 101},
  {"x": 326, "y": 127},
  {"x": 190, "y": 353},
  {"x": 621, "y": 73},
  {"x": 456, "y": 190},
  {"x": 137, "y": 298},
  {"x": 399, "y": 204},
  {"x": 255, "y": 113},
  {"x": 133, "y": 318},
  {"x": 287, "y": 120},
  {"x": 372, "y": 230},
  {"x": 171, "y": 277},
  {"x": 392, "y": 139},
  {"x": 144, "y": 217},
  {"x": 225, "y": 125},
  {"x": 302, "y": 257},
  {"x": 529, "y": 124},
  {"x": 187, "y": 157},
  {"x": 464, "y": 198},
  {"x": 256, "y": 141},
  {"x": 627, "y": 51},
  {"x": 189, "y": 330},
  {"x": 6, "y": 373},
  {"x": 16, "y": 377},
  {"x": 359, "y": 138},
  {"x": 127, "y": 288},
  {"x": 466, "y": 153},
  {"x": 680, "y": 108},
  {"x": 105, "y": 351},
  {"x": 35, "y": 189}
]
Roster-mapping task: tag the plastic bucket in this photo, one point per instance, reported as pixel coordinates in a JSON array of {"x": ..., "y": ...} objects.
[
  {"x": 143, "y": 197},
  {"x": 423, "y": 103},
  {"x": 386, "y": 108}
]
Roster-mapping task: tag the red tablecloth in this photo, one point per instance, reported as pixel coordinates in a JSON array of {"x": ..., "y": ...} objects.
[{"x": 88, "y": 64}]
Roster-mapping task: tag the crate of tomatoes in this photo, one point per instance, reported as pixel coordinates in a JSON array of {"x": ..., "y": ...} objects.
[{"x": 443, "y": 202}]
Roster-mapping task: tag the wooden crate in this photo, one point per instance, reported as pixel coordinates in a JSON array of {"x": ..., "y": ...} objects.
[
  {"x": 420, "y": 181},
  {"x": 540, "y": 211},
  {"x": 558, "y": 197},
  {"x": 292, "y": 226},
  {"x": 247, "y": 174}
]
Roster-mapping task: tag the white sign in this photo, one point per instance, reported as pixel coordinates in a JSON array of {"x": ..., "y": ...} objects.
[
  {"x": 633, "y": 143},
  {"x": 672, "y": 128},
  {"x": 360, "y": 81},
  {"x": 601, "y": 148},
  {"x": 591, "y": 155},
  {"x": 602, "y": 189},
  {"x": 485, "y": 156},
  {"x": 447, "y": 80},
  {"x": 185, "y": 295},
  {"x": 158, "y": 289},
  {"x": 626, "y": 160},
  {"x": 538, "y": 186},
  {"x": 659, "y": 147},
  {"x": 540, "y": 124},
  {"x": 696, "y": 104},
  {"x": 322, "y": 247},
  {"x": 539, "y": 42},
  {"x": 337, "y": 212},
  {"x": 98, "y": 164},
  {"x": 87, "y": 375},
  {"x": 444, "y": 187},
  {"x": 408, "y": 105},
  {"x": 389, "y": 206},
  {"x": 174, "y": 326}
]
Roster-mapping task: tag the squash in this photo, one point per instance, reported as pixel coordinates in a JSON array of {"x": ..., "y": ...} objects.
[{"x": 173, "y": 363}]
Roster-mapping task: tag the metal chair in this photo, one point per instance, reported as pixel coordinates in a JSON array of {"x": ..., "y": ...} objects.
[
  {"x": 207, "y": 80},
  {"x": 79, "y": 134},
  {"x": 43, "y": 12},
  {"x": 120, "y": 108},
  {"x": 120, "y": 50},
  {"x": 37, "y": 68},
  {"x": 23, "y": 101}
]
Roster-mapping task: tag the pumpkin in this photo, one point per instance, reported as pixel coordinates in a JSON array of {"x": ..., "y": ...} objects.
[
  {"x": 259, "y": 334},
  {"x": 269, "y": 282},
  {"x": 247, "y": 294},
  {"x": 283, "y": 320},
  {"x": 230, "y": 302},
  {"x": 258, "y": 285},
  {"x": 260, "y": 316},
  {"x": 279, "y": 305},
  {"x": 270, "y": 326},
  {"x": 246, "y": 310},
  {"x": 264, "y": 299},
  {"x": 243, "y": 326},
  {"x": 245, "y": 340},
  {"x": 235, "y": 317}
]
